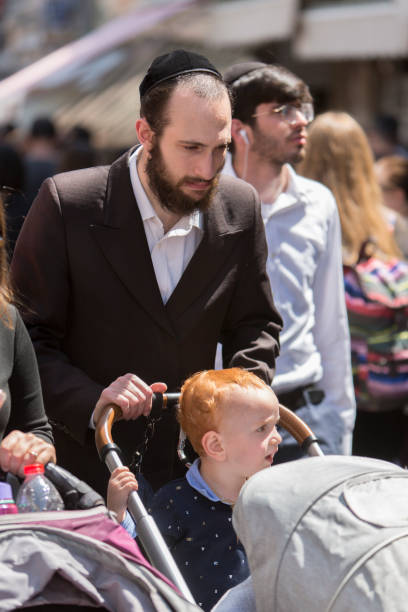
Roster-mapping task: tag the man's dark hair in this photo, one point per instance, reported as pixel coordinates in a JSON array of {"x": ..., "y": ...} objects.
[
  {"x": 269, "y": 83},
  {"x": 153, "y": 105},
  {"x": 79, "y": 133},
  {"x": 43, "y": 127},
  {"x": 387, "y": 127}
]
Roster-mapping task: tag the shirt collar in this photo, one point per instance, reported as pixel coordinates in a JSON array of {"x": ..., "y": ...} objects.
[
  {"x": 197, "y": 482},
  {"x": 145, "y": 207},
  {"x": 228, "y": 168},
  {"x": 286, "y": 198},
  {"x": 291, "y": 188}
]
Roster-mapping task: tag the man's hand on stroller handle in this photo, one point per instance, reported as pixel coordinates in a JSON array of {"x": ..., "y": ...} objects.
[{"x": 131, "y": 394}]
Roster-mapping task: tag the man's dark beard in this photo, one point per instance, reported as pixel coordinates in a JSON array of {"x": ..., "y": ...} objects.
[
  {"x": 169, "y": 194},
  {"x": 267, "y": 148}
]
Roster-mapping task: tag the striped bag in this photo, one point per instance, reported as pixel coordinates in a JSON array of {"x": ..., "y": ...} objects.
[{"x": 377, "y": 306}]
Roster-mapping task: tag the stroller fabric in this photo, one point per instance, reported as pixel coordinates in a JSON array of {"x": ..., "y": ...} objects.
[
  {"x": 327, "y": 534},
  {"x": 78, "y": 558}
]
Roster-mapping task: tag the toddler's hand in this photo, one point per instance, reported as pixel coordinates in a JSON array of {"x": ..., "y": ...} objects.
[{"x": 121, "y": 483}]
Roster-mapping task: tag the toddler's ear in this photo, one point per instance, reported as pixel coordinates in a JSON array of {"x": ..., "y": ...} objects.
[{"x": 213, "y": 445}]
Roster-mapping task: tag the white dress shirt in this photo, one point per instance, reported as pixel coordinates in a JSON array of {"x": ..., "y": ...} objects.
[
  {"x": 305, "y": 270},
  {"x": 170, "y": 252}
]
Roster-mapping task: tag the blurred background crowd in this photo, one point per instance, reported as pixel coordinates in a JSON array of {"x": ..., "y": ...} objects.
[
  {"x": 81, "y": 62},
  {"x": 70, "y": 72}
]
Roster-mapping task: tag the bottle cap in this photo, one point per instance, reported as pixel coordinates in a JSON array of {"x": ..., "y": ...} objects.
[
  {"x": 5, "y": 492},
  {"x": 34, "y": 468}
]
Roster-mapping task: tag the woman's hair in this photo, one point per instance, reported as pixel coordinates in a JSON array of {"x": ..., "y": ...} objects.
[
  {"x": 395, "y": 172},
  {"x": 338, "y": 155},
  {"x": 11, "y": 181},
  {"x": 203, "y": 397},
  {"x": 5, "y": 292}
]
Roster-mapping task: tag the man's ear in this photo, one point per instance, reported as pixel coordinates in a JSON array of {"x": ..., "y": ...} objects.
[
  {"x": 240, "y": 132},
  {"x": 144, "y": 133},
  {"x": 213, "y": 446}
]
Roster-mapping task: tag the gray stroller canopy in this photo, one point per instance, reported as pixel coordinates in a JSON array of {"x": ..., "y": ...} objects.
[
  {"x": 327, "y": 534},
  {"x": 78, "y": 558}
]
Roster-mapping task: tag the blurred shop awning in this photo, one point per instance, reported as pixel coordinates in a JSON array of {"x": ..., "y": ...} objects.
[
  {"x": 359, "y": 31},
  {"x": 94, "y": 44},
  {"x": 108, "y": 108},
  {"x": 236, "y": 22}
]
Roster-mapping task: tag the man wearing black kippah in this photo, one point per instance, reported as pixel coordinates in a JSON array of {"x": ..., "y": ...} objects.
[{"x": 141, "y": 267}]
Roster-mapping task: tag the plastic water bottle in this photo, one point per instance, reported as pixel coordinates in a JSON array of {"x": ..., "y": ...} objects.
[
  {"x": 7, "y": 505},
  {"x": 37, "y": 493}
]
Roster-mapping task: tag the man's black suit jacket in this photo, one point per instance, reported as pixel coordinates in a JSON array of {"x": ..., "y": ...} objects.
[{"x": 83, "y": 272}]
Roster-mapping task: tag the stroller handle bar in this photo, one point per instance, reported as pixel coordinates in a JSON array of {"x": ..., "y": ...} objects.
[
  {"x": 297, "y": 428},
  {"x": 302, "y": 433}
]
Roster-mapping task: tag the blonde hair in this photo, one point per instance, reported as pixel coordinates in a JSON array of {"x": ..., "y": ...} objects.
[
  {"x": 338, "y": 155},
  {"x": 202, "y": 399}
]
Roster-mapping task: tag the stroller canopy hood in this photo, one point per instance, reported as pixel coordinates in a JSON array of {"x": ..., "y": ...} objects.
[{"x": 328, "y": 534}]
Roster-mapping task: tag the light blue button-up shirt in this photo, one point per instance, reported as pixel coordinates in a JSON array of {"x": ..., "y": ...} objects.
[{"x": 305, "y": 270}]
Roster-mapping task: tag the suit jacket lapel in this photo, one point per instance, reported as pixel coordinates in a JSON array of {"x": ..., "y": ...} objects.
[
  {"x": 122, "y": 240},
  {"x": 217, "y": 242}
]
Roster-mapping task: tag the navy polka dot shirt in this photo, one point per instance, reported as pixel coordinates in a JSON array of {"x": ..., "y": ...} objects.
[
  {"x": 201, "y": 537},
  {"x": 198, "y": 529}
]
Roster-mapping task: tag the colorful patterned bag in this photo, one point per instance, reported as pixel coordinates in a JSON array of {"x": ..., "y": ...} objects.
[{"x": 377, "y": 306}]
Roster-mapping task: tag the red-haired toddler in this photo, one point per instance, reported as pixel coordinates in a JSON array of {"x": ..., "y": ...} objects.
[{"x": 230, "y": 418}]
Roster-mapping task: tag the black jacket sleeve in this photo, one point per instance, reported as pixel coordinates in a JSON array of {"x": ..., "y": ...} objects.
[{"x": 26, "y": 403}]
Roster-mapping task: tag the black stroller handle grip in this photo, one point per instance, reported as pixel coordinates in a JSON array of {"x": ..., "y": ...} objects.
[{"x": 162, "y": 401}]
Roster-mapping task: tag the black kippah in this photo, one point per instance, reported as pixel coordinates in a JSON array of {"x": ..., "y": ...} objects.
[
  {"x": 173, "y": 64},
  {"x": 235, "y": 72}
]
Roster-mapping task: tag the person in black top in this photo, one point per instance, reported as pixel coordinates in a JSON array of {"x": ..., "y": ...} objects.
[{"x": 24, "y": 428}]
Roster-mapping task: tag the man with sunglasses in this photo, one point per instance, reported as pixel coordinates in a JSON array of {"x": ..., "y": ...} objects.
[{"x": 272, "y": 109}]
